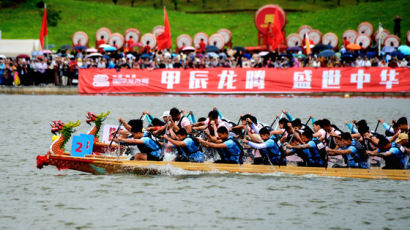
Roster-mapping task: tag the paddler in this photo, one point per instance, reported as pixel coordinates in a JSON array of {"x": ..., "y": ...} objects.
[
  {"x": 269, "y": 149},
  {"x": 187, "y": 146},
  {"x": 392, "y": 153},
  {"x": 229, "y": 149},
  {"x": 150, "y": 149},
  {"x": 177, "y": 121},
  {"x": 313, "y": 152},
  {"x": 355, "y": 152}
]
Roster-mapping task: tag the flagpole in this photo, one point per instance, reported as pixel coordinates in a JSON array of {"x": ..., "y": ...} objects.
[
  {"x": 379, "y": 36},
  {"x": 45, "y": 7}
]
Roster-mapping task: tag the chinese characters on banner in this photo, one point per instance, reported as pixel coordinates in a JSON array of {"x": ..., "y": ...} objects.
[{"x": 240, "y": 80}]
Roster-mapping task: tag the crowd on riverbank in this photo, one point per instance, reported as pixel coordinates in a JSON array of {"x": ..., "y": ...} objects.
[{"x": 62, "y": 69}]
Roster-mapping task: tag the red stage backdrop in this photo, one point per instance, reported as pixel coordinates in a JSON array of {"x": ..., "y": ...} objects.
[{"x": 241, "y": 80}]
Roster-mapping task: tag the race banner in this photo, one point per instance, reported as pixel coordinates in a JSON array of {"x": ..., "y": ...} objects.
[{"x": 244, "y": 80}]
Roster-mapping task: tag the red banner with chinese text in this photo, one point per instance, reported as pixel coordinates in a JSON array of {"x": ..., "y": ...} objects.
[{"x": 245, "y": 80}]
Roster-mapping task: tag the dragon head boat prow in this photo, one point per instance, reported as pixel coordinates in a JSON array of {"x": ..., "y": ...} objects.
[
  {"x": 97, "y": 120},
  {"x": 65, "y": 131}
]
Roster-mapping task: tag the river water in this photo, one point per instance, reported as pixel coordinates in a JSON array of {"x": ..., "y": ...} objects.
[{"x": 52, "y": 199}]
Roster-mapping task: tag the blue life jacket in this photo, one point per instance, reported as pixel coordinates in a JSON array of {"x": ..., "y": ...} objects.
[
  {"x": 317, "y": 154},
  {"x": 273, "y": 153},
  {"x": 150, "y": 147},
  {"x": 359, "y": 158},
  {"x": 232, "y": 152},
  {"x": 191, "y": 151},
  {"x": 397, "y": 159}
]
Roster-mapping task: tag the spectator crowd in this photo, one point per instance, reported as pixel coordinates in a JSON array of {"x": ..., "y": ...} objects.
[{"x": 61, "y": 69}]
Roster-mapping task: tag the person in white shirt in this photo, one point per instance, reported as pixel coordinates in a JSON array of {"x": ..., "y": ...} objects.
[{"x": 366, "y": 62}]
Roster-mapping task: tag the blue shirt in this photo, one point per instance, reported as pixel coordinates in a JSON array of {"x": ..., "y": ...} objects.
[{"x": 148, "y": 142}]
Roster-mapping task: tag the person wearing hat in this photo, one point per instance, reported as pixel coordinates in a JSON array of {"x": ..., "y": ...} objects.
[
  {"x": 392, "y": 153},
  {"x": 150, "y": 149}
]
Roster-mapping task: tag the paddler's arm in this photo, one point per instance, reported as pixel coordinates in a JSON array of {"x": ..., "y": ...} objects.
[
  {"x": 126, "y": 126},
  {"x": 213, "y": 145},
  {"x": 287, "y": 115},
  {"x": 277, "y": 132},
  {"x": 160, "y": 129},
  {"x": 238, "y": 127},
  {"x": 128, "y": 141},
  {"x": 333, "y": 152},
  {"x": 255, "y": 145},
  {"x": 378, "y": 153},
  {"x": 304, "y": 146},
  {"x": 356, "y": 135},
  {"x": 175, "y": 142}
]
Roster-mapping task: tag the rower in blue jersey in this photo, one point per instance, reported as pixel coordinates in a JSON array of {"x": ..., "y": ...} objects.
[
  {"x": 269, "y": 149},
  {"x": 355, "y": 153},
  {"x": 187, "y": 146},
  {"x": 228, "y": 148},
  {"x": 313, "y": 152},
  {"x": 392, "y": 153},
  {"x": 150, "y": 149}
]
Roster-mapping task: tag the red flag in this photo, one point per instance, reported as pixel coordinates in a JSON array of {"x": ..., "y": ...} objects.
[
  {"x": 277, "y": 31},
  {"x": 43, "y": 31},
  {"x": 307, "y": 45},
  {"x": 164, "y": 40}
]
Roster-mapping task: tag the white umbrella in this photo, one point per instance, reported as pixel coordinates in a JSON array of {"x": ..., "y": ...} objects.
[
  {"x": 93, "y": 55},
  {"x": 91, "y": 50},
  {"x": 2, "y": 56},
  {"x": 104, "y": 46},
  {"x": 130, "y": 56},
  {"x": 188, "y": 48},
  {"x": 263, "y": 53}
]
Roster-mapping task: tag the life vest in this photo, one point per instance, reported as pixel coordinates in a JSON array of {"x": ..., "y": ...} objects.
[
  {"x": 272, "y": 156},
  {"x": 231, "y": 154},
  {"x": 152, "y": 150},
  {"x": 358, "y": 159},
  {"x": 319, "y": 153},
  {"x": 396, "y": 160},
  {"x": 185, "y": 154}
]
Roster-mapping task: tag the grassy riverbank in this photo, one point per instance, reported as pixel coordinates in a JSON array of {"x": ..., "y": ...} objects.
[{"x": 24, "y": 21}]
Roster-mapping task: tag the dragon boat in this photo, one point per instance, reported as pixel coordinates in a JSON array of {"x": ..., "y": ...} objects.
[{"x": 100, "y": 163}]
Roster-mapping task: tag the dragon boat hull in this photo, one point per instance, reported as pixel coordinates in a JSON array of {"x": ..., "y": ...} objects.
[{"x": 122, "y": 165}]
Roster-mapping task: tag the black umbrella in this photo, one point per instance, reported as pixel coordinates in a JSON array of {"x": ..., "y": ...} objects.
[
  {"x": 211, "y": 49},
  {"x": 239, "y": 48},
  {"x": 80, "y": 48},
  {"x": 294, "y": 48},
  {"x": 65, "y": 47},
  {"x": 319, "y": 47}
]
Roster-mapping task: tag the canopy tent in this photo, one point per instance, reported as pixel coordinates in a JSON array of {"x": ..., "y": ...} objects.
[{"x": 14, "y": 47}]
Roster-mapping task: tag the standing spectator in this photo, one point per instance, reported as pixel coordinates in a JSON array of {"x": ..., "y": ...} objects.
[
  {"x": 72, "y": 68},
  {"x": 202, "y": 46},
  {"x": 42, "y": 68},
  {"x": 129, "y": 44},
  {"x": 147, "y": 48},
  {"x": 366, "y": 62},
  {"x": 2, "y": 67}
]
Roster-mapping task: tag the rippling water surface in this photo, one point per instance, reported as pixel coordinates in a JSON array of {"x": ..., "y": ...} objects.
[{"x": 52, "y": 199}]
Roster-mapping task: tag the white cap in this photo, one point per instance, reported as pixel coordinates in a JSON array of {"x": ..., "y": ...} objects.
[{"x": 165, "y": 114}]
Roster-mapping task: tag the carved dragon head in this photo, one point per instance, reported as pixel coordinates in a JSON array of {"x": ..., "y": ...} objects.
[
  {"x": 56, "y": 127},
  {"x": 92, "y": 117}
]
